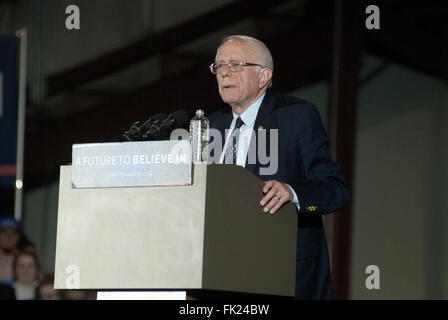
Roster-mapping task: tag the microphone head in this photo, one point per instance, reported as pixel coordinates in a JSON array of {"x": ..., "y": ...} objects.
[
  {"x": 138, "y": 129},
  {"x": 134, "y": 132},
  {"x": 156, "y": 118},
  {"x": 159, "y": 117},
  {"x": 161, "y": 130},
  {"x": 180, "y": 117}
]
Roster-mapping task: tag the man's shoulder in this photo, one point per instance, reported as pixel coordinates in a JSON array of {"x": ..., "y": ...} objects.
[
  {"x": 290, "y": 108},
  {"x": 291, "y": 103},
  {"x": 282, "y": 103}
]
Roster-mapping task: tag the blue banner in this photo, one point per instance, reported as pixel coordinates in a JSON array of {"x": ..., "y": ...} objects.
[{"x": 9, "y": 96}]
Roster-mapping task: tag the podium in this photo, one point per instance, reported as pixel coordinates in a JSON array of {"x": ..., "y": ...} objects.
[{"x": 212, "y": 235}]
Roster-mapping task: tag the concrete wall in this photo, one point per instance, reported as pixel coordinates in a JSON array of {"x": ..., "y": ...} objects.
[{"x": 400, "y": 204}]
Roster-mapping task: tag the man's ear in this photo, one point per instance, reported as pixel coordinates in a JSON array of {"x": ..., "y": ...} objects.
[{"x": 265, "y": 76}]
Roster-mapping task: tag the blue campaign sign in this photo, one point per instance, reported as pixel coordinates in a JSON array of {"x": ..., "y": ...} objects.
[{"x": 9, "y": 95}]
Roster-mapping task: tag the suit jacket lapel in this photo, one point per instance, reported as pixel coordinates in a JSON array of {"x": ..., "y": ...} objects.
[{"x": 262, "y": 122}]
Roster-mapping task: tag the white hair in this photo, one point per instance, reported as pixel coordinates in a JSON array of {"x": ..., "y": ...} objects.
[{"x": 259, "y": 48}]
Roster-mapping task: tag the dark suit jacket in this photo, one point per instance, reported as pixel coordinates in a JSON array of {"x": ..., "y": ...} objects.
[{"x": 304, "y": 162}]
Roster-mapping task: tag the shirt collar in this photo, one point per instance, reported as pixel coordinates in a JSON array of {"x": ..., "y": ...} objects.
[{"x": 250, "y": 114}]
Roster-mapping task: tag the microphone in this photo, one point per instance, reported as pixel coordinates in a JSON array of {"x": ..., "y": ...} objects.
[
  {"x": 138, "y": 129},
  {"x": 160, "y": 130}
]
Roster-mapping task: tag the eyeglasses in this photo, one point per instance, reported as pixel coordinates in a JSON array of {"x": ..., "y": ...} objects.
[{"x": 234, "y": 66}]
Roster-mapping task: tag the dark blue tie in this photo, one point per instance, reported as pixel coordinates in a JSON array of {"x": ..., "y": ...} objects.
[{"x": 232, "y": 147}]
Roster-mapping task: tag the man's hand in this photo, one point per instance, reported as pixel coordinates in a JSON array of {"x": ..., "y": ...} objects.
[{"x": 276, "y": 194}]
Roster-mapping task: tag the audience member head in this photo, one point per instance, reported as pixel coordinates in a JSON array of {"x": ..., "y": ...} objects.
[
  {"x": 74, "y": 294},
  {"x": 25, "y": 244},
  {"x": 9, "y": 234},
  {"x": 46, "y": 290},
  {"x": 26, "y": 269}
]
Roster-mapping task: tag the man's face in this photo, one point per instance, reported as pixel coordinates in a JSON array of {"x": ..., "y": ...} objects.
[
  {"x": 240, "y": 88},
  {"x": 9, "y": 238}
]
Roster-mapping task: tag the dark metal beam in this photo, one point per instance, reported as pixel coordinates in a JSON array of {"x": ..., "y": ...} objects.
[
  {"x": 159, "y": 43},
  {"x": 342, "y": 128},
  {"x": 404, "y": 40}
]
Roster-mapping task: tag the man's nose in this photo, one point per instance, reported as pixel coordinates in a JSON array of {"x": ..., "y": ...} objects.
[{"x": 225, "y": 70}]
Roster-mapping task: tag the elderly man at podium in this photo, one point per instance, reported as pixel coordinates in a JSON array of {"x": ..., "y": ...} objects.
[{"x": 304, "y": 173}]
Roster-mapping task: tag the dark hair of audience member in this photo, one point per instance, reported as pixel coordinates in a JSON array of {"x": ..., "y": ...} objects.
[{"x": 46, "y": 291}]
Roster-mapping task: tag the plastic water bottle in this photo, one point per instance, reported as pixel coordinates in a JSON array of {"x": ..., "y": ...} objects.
[{"x": 199, "y": 137}]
